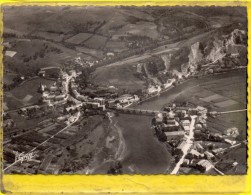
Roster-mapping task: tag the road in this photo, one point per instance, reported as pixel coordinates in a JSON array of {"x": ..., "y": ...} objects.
[
  {"x": 189, "y": 143},
  {"x": 77, "y": 115},
  {"x": 233, "y": 111},
  {"x": 67, "y": 82},
  {"x": 222, "y": 157},
  {"x": 139, "y": 57},
  {"x": 157, "y": 51}
]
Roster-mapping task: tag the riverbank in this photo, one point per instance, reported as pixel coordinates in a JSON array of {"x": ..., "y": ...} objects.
[
  {"x": 112, "y": 148},
  {"x": 144, "y": 152},
  {"x": 183, "y": 82}
]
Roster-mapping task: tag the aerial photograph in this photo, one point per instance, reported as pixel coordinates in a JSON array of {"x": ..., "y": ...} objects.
[{"x": 124, "y": 90}]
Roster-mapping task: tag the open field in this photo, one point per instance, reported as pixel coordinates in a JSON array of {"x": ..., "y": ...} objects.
[
  {"x": 93, "y": 52},
  {"x": 121, "y": 76},
  {"x": 79, "y": 38},
  {"x": 95, "y": 27},
  {"x": 49, "y": 36},
  {"x": 33, "y": 54},
  {"x": 148, "y": 29},
  {"x": 8, "y": 78},
  {"x": 96, "y": 42},
  {"x": 222, "y": 94},
  {"x": 116, "y": 46},
  {"x": 25, "y": 94}
]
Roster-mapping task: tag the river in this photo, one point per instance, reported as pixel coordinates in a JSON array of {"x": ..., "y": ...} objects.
[{"x": 144, "y": 153}]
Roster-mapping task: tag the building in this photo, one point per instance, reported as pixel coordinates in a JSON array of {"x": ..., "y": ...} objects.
[
  {"x": 201, "y": 110},
  {"x": 41, "y": 73},
  {"x": 177, "y": 135},
  {"x": 139, "y": 68},
  {"x": 181, "y": 147},
  {"x": 101, "y": 101},
  {"x": 70, "y": 120},
  {"x": 73, "y": 108},
  {"x": 186, "y": 162},
  {"x": 170, "y": 128},
  {"x": 234, "y": 132},
  {"x": 127, "y": 98},
  {"x": 10, "y": 53},
  {"x": 73, "y": 73},
  {"x": 217, "y": 151},
  {"x": 209, "y": 155},
  {"x": 95, "y": 105},
  {"x": 196, "y": 154},
  {"x": 186, "y": 124},
  {"x": 198, "y": 126},
  {"x": 111, "y": 103},
  {"x": 230, "y": 141},
  {"x": 170, "y": 123},
  {"x": 60, "y": 97},
  {"x": 204, "y": 165},
  {"x": 198, "y": 147},
  {"x": 152, "y": 89},
  {"x": 62, "y": 118},
  {"x": 41, "y": 88},
  {"x": 159, "y": 118},
  {"x": 170, "y": 114},
  {"x": 53, "y": 88}
]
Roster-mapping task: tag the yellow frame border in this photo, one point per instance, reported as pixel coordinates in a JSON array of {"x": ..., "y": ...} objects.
[{"x": 124, "y": 184}]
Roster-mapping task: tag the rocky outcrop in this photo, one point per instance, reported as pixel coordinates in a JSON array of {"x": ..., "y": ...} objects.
[
  {"x": 195, "y": 56},
  {"x": 167, "y": 60},
  {"x": 224, "y": 51}
]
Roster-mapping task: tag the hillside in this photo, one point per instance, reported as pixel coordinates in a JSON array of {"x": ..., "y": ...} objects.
[
  {"x": 59, "y": 36},
  {"x": 223, "y": 48}
]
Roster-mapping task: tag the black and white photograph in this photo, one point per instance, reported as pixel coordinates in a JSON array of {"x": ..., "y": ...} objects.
[{"x": 117, "y": 90}]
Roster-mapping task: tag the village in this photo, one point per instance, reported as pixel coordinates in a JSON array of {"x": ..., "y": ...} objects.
[
  {"x": 140, "y": 90},
  {"x": 57, "y": 132},
  {"x": 183, "y": 128}
]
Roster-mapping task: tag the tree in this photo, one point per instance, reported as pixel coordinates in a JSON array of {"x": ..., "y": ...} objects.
[{"x": 162, "y": 137}]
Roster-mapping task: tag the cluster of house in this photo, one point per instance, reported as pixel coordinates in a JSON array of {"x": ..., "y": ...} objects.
[
  {"x": 175, "y": 121},
  {"x": 201, "y": 158},
  {"x": 124, "y": 100},
  {"x": 96, "y": 103},
  {"x": 101, "y": 103},
  {"x": 53, "y": 94},
  {"x": 57, "y": 93}
]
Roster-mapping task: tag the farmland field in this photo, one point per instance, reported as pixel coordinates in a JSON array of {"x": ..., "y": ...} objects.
[
  {"x": 25, "y": 94},
  {"x": 96, "y": 42},
  {"x": 49, "y": 36},
  {"x": 92, "y": 52},
  {"x": 8, "y": 78},
  {"x": 120, "y": 76},
  {"x": 222, "y": 94},
  {"x": 147, "y": 29},
  {"x": 116, "y": 46},
  {"x": 79, "y": 38}
]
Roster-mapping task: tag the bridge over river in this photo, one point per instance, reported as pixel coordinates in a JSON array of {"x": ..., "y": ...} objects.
[
  {"x": 154, "y": 112},
  {"x": 139, "y": 111}
]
